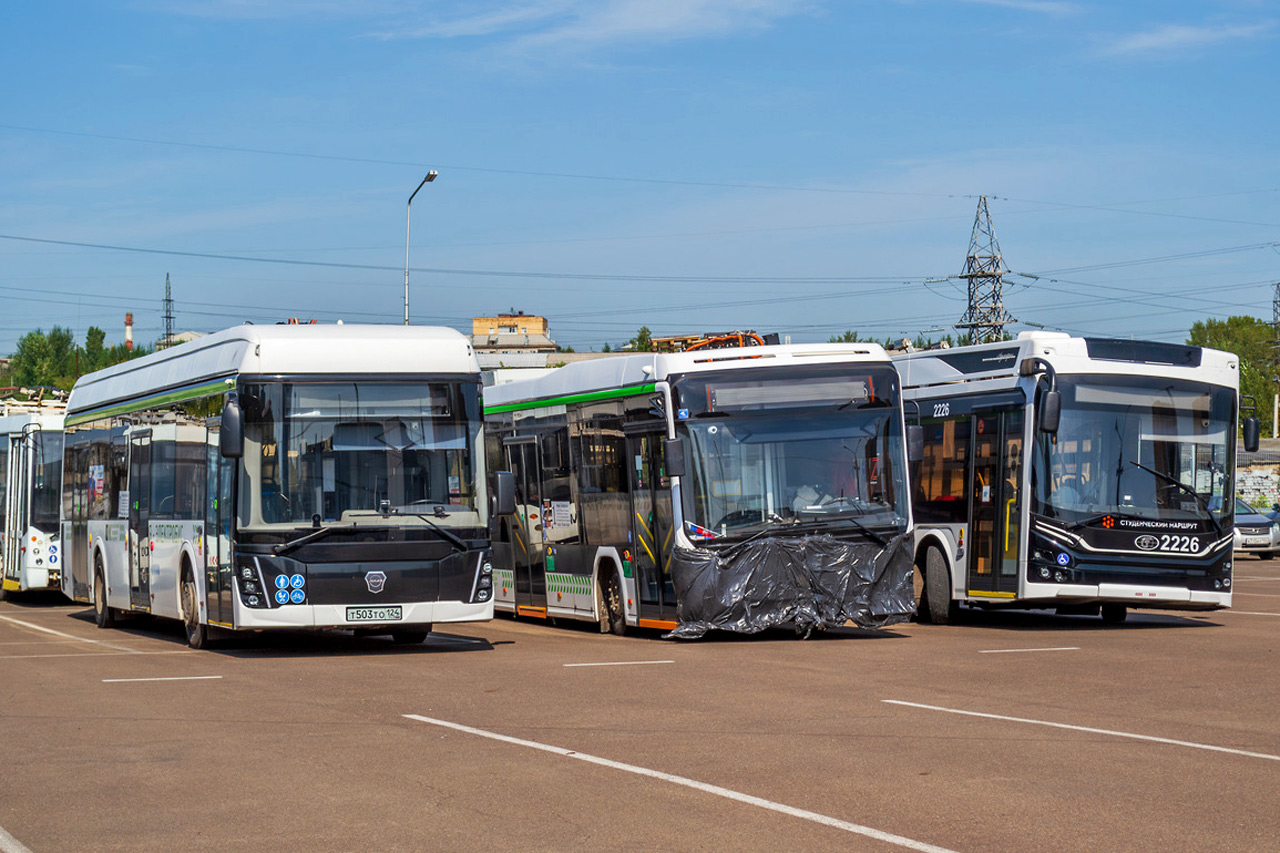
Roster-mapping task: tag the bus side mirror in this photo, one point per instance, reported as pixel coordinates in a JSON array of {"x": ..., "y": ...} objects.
[
  {"x": 915, "y": 443},
  {"x": 1252, "y": 433},
  {"x": 1050, "y": 411},
  {"x": 231, "y": 433},
  {"x": 674, "y": 450},
  {"x": 503, "y": 493}
]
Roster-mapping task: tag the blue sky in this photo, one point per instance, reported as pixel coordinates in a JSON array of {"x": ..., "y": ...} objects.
[{"x": 799, "y": 166}]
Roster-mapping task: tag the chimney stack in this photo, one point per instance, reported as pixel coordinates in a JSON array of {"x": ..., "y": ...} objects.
[{"x": 128, "y": 331}]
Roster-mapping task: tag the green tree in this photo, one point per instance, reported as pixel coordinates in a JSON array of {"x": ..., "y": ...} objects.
[
  {"x": 1252, "y": 340},
  {"x": 849, "y": 337},
  {"x": 606, "y": 347},
  {"x": 54, "y": 359},
  {"x": 643, "y": 341}
]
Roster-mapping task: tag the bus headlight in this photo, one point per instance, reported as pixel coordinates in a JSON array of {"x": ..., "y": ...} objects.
[{"x": 482, "y": 595}]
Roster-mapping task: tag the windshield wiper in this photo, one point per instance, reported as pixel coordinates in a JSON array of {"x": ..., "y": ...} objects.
[
  {"x": 1183, "y": 487},
  {"x": 307, "y": 539},
  {"x": 452, "y": 538},
  {"x": 852, "y": 520}
]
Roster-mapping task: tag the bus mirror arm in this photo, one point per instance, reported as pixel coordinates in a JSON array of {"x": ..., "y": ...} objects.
[
  {"x": 915, "y": 443},
  {"x": 231, "y": 432},
  {"x": 673, "y": 448},
  {"x": 1050, "y": 408},
  {"x": 503, "y": 493},
  {"x": 1252, "y": 426}
]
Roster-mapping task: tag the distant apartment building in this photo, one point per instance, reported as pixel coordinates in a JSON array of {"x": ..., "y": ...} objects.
[{"x": 511, "y": 340}]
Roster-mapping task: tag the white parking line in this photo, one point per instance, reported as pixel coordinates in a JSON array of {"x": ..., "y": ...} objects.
[
  {"x": 97, "y": 654},
  {"x": 170, "y": 678},
  {"x": 9, "y": 844},
  {"x": 1011, "y": 651},
  {"x": 621, "y": 663},
  {"x": 715, "y": 790},
  {"x": 67, "y": 636},
  {"x": 1250, "y": 613},
  {"x": 1088, "y": 729}
]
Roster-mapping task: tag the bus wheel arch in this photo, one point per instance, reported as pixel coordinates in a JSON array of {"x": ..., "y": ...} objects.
[
  {"x": 103, "y": 613},
  {"x": 189, "y": 606},
  {"x": 935, "y": 603}
]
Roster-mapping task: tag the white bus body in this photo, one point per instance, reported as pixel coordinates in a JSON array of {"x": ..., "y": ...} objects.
[
  {"x": 353, "y": 497},
  {"x": 1129, "y": 504},
  {"x": 30, "y": 495},
  {"x": 603, "y": 516}
]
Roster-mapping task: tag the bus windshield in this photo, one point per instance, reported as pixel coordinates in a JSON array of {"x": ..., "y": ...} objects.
[
  {"x": 330, "y": 449},
  {"x": 782, "y": 448},
  {"x": 46, "y": 480},
  {"x": 1143, "y": 447}
]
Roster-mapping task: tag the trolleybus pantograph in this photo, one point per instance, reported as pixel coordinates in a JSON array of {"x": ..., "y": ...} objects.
[
  {"x": 289, "y": 476},
  {"x": 1076, "y": 474},
  {"x": 31, "y": 555},
  {"x": 735, "y": 489}
]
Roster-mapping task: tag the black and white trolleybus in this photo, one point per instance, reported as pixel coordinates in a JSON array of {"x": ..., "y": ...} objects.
[
  {"x": 737, "y": 489},
  {"x": 30, "y": 493},
  {"x": 1076, "y": 474},
  {"x": 282, "y": 477}
]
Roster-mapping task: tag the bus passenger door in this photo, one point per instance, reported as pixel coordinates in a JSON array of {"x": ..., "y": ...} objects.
[
  {"x": 525, "y": 529},
  {"x": 219, "y": 578},
  {"x": 994, "y": 529},
  {"x": 139, "y": 520},
  {"x": 15, "y": 510},
  {"x": 651, "y": 527}
]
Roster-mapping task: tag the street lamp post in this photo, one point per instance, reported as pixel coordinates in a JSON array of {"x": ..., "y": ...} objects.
[{"x": 431, "y": 176}]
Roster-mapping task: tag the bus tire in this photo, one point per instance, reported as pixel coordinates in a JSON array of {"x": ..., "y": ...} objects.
[
  {"x": 1113, "y": 613},
  {"x": 104, "y": 615},
  {"x": 410, "y": 636},
  {"x": 614, "y": 614},
  {"x": 937, "y": 588},
  {"x": 197, "y": 634}
]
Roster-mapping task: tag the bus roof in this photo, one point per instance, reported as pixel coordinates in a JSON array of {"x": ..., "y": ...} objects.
[
  {"x": 1001, "y": 360},
  {"x": 623, "y": 371},
  {"x": 279, "y": 350}
]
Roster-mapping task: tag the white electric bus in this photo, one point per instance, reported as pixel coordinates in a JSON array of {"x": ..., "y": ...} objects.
[
  {"x": 736, "y": 489},
  {"x": 288, "y": 476},
  {"x": 1084, "y": 475},
  {"x": 30, "y": 490}
]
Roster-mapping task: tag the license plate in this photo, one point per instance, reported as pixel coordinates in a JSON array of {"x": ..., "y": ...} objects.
[
  {"x": 373, "y": 614},
  {"x": 1257, "y": 540}
]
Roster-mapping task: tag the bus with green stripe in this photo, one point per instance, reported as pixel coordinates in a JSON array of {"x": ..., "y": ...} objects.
[
  {"x": 736, "y": 489},
  {"x": 30, "y": 490},
  {"x": 282, "y": 477}
]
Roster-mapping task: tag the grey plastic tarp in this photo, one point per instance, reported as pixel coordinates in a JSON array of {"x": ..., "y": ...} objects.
[{"x": 814, "y": 581}]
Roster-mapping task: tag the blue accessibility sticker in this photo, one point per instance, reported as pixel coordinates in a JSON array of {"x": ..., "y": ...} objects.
[
  {"x": 282, "y": 581},
  {"x": 298, "y": 596},
  {"x": 53, "y": 549},
  {"x": 297, "y": 581},
  {"x": 53, "y": 558},
  {"x": 1063, "y": 559},
  {"x": 282, "y": 596}
]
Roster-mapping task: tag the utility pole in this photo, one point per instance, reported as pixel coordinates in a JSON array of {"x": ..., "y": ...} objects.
[
  {"x": 168, "y": 313},
  {"x": 984, "y": 268},
  {"x": 1275, "y": 362}
]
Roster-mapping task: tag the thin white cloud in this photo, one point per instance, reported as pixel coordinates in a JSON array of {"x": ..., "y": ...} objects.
[
  {"x": 541, "y": 23},
  {"x": 1174, "y": 37},
  {"x": 1047, "y": 7}
]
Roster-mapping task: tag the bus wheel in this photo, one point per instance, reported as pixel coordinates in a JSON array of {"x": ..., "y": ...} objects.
[
  {"x": 937, "y": 588},
  {"x": 103, "y": 615},
  {"x": 1114, "y": 614},
  {"x": 410, "y": 636},
  {"x": 611, "y": 595},
  {"x": 197, "y": 634}
]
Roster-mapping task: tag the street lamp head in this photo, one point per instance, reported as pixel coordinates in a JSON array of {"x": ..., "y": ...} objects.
[{"x": 432, "y": 175}]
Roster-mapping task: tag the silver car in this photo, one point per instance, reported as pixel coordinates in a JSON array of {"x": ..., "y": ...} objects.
[{"x": 1255, "y": 533}]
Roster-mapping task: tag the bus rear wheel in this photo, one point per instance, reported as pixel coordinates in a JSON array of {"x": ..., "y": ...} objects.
[
  {"x": 615, "y": 616},
  {"x": 103, "y": 615},
  {"x": 197, "y": 634}
]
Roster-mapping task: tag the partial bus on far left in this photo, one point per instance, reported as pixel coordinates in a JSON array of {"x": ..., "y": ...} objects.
[{"x": 30, "y": 492}]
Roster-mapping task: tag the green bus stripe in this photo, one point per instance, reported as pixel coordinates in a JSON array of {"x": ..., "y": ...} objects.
[
  {"x": 589, "y": 397},
  {"x": 164, "y": 398}
]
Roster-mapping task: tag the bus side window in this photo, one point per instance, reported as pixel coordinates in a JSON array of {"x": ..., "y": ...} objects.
[{"x": 942, "y": 495}]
